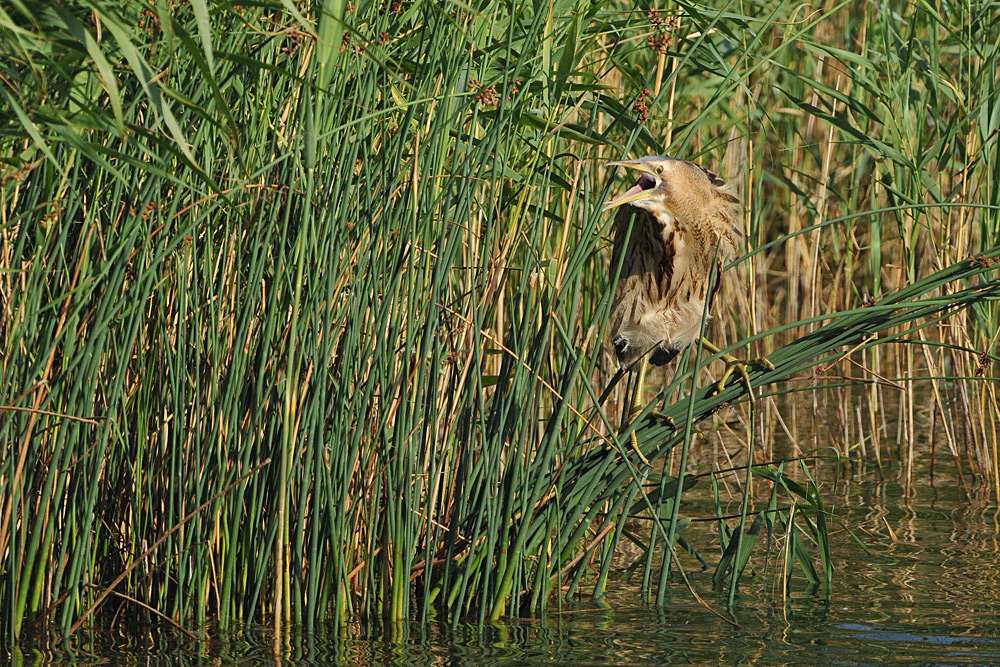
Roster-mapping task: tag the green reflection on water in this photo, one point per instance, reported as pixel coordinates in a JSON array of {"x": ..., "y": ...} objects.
[{"x": 925, "y": 591}]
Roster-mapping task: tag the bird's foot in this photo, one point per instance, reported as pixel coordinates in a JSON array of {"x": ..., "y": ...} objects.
[
  {"x": 739, "y": 366},
  {"x": 635, "y": 447},
  {"x": 654, "y": 415},
  {"x": 665, "y": 420}
]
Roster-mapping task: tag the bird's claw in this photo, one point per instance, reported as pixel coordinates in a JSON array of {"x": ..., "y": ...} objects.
[
  {"x": 635, "y": 447},
  {"x": 633, "y": 440},
  {"x": 656, "y": 415},
  {"x": 740, "y": 366}
]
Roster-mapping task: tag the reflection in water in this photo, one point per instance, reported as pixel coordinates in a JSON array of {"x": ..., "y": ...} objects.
[{"x": 922, "y": 588}]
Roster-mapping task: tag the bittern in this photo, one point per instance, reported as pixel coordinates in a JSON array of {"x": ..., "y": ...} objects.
[{"x": 671, "y": 227}]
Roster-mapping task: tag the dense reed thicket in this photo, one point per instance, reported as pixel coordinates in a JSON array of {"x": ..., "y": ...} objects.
[{"x": 303, "y": 304}]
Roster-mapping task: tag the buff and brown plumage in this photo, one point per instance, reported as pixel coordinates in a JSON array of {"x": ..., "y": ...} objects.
[{"x": 671, "y": 227}]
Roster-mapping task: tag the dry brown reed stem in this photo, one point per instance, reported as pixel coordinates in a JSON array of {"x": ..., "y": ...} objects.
[
  {"x": 93, "y": 421},
  {"x": 155, "y": 612}
]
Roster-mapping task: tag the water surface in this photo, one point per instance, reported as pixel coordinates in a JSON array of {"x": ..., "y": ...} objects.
[{"x": 923, "y": 589}]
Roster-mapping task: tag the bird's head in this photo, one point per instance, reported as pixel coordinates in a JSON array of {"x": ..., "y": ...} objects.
[
  {"x": 673, "y": 189},
  {"x": 664, "y": 180}
]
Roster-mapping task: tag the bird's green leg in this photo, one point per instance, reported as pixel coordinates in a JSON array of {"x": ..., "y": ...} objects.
[
  {"x": 636, "y": 406},
  {"x": 740, "y": 366}
]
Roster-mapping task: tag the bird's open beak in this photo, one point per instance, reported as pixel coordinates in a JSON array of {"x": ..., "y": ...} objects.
[{"x": 648, "y": 182}]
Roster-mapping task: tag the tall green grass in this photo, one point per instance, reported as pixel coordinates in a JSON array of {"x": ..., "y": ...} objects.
[{"x": 303, "y": 304}]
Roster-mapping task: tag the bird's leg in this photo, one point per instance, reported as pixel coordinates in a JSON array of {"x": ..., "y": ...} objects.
[
  {"x": 738, "y": 365},
  {"x": 636, "y": 406}
]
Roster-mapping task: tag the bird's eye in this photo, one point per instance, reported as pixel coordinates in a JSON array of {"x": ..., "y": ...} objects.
[{"x": 659, "y": 170}]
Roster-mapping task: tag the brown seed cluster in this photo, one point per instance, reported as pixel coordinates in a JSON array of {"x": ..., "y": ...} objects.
[
  {"x": 463, "y": 18},
  {"x": 641, "y": 105},
  {"x": 147, "y": 17},
  {"x": 295, "y": 39},
  {"x": 983, "y": 261},
  {"x": 663, "y": 29},
  {"x": 487, "y": 96},
  {"x": 393, "y": 6},
  {"x": 345, "y": 44},
  {"x": 984, "y": 365},
  {"x": 514, "y": 89},
  {"x": 151, "y": 209},
  {"x": 52, "y": 215}
]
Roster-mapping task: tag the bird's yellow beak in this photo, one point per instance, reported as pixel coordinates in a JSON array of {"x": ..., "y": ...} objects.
[{"x": 648, "y": 182}]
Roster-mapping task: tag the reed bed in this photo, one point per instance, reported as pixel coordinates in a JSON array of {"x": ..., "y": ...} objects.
[{"x": 303, "y": 304}]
